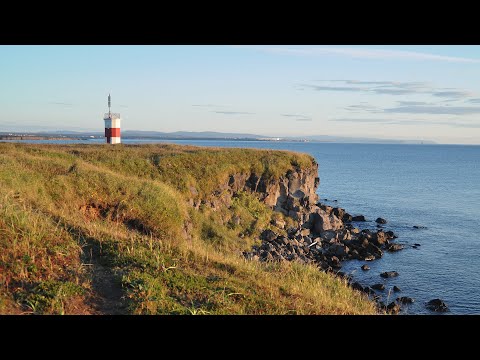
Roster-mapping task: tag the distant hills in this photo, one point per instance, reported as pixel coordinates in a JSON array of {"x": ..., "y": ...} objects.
[{"x": 213, "y": 135}]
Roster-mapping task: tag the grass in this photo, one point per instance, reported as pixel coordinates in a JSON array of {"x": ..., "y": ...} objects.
[{"x": 128, "y": 206}]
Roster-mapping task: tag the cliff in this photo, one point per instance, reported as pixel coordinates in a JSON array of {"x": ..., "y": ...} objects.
[{"x": 160, "y": 229}]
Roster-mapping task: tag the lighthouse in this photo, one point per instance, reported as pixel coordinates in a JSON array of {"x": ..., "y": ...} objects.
[{"x": 112, "y": 125}]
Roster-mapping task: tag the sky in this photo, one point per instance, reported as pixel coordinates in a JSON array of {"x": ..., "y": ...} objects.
[{"x": 389, "y": 92}]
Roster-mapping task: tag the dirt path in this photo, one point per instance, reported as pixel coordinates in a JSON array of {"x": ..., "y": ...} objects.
[{"x": 107, "y": 290}]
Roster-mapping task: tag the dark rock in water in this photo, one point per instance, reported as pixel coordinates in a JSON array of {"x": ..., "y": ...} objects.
[
  {"x": 419, "y": 227},
  {"x": 347, "y": 217},
  {"x": 390, "y": 234},
  {"x": 368, "y": 290},
  {"x": 356, "y": 286},
  {"x": 437, "y": 305},
  {"x": 405, "y": 300},
  {"x": 359, "y": 218},
  {"x": 365, "y": 267},
  {"x": 393, "y": 308},
  {"x": 396, "y": 289},
  {"x": 417, "y": 244},
  {"x": 394, "y": 247},
  {"x": 389, "y": 274},
  {"x": 378, "y": 287},
  {"x": 381, "y": 221}
]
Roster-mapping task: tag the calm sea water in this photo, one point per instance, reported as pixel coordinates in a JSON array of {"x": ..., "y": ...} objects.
[{"x": 435, "y": 186}]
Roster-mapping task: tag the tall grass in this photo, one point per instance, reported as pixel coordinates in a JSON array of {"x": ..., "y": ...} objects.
[{"x": 60, "y": 206}]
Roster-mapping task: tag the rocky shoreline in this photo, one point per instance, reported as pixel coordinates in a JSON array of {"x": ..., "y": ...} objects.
[{"x": 325, "y": 237}]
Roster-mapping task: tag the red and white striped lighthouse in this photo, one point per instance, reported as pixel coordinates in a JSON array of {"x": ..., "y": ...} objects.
[{"x": 112, "y": 125}]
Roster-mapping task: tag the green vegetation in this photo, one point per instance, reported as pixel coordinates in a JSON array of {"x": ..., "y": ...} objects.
[{"x": 68, "y": 211}]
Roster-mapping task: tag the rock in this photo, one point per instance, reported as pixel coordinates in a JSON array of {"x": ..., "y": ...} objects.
[
  {"x": 335, "y": 262},
  {"x": 379, "y": 238},
  {"x": 419, "y": 227},
  {"x": 405, "y": 300},
  {"x": 390, "y": 235},
  {"x": 279, "y": 223},
  {"x": 305, "y": 232},
  {"x": 355, "y": 230},
  {"x": 268, "y": 235},
  {"x": 338, "y": 212},
  {"x": 437, "y": 305},
  {"x": 347, "y": 217},
  {"x": 393, "y": 308},
  {"x": 389, "y": 274},
  {"x": 396, "y": 289},
  {"x": 321, "y": 222},
  {"x": 369, "y": 257},
  {"x": 357, "y": 286},
  {"x": 365, "y": 267},
  {"x": 378, "y": 287},
  {"x": 359, "y": 218},
  {"x": 338, "y": 250},
  {"x": 394, "y": 247},
  {"x": 381, "y": 221},
  {"x": 329, "y": 235},
  {"x": 416, "y": 244}
]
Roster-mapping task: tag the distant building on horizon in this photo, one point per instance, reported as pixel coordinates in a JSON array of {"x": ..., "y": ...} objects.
[{"x": 112, "y": 125}]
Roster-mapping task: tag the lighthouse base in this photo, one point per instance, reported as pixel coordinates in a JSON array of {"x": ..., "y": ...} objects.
[{"x": 113, "y": 140}]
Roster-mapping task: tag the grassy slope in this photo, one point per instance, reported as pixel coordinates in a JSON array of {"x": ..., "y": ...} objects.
[{"x": 64, "y": 208}]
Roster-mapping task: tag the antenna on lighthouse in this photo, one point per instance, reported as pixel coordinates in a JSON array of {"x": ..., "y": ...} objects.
[{"x": 109, "y": 104}]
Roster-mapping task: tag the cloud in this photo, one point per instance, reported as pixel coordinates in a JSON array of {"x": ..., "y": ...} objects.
[
  {"x": 394, "y": 88},
  {"x": 360, "y": 53},
  {"x": 333, "y": 88},
  {"x": 407, "y": 122},
  {"x": 233, "y": 112},
  {"x": 474, "y": 101},
  {"x": 205, "y": 105},
  {"x": 298, "y": 117},
  {"x": 436, "y": 110},
  {"x": 452, "y": 94},
  {"x": 408, "y": 103},
  {"x": 361, "y": 120},
  {"x": 304, "y": 119}
]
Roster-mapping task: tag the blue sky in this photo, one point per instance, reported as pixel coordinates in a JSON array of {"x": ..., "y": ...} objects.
[{"x": 401, "y": 92}]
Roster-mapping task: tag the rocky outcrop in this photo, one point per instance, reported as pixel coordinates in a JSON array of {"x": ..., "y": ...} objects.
[{"x": 437, "y": 305}]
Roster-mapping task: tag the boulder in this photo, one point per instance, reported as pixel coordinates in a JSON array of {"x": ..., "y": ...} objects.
[
  {"x": 365, "y": 267},
  {"x": 359, "y": 218},
  {"x": 338, "y": 250},
  {"x": 321, "y": 222},
  {"x": 419, "y": 227},
  {"x": 381, "y": 221},
  {"x": 379, "y": 238},
  {"x": 338, "y": 212},
  {"x": 394, "y": 247},
  {"x": 347, "y": 217},
  {"x": 390, "y": 235},
  {"x": 405, "y": 300},
  {"x": 268, "y": 235},
  {"x": 305, "y": 232},
  {"x": 378, "y": 287},
  {"x": 393, "y": 308},
  {"x": 396, "y": 289},
  {"x": 357, "y": 286},
  {"x": 437, "y": 305},
  {"x": 389, "y": 274}
]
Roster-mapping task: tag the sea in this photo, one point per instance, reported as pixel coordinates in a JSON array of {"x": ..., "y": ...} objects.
[{"x": 433, "y": 187}]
